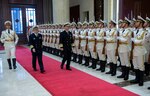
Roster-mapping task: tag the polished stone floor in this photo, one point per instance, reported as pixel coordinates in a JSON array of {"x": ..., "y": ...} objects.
[{"x": 20, "y": 83}]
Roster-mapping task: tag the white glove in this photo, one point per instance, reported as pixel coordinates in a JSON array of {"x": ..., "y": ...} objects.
[
  {"x": 132, "y": 39},
  {"x": 105, "y": 38},
  {"x": 118, "y": 38},
  {"x": 123, "y": 39}
]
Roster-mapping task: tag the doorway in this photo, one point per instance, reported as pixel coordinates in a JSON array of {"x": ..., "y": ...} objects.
[{"x": 23, "y": 18}]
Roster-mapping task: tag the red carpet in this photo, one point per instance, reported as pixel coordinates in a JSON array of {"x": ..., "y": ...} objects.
[{"x": 68, "y": 83}]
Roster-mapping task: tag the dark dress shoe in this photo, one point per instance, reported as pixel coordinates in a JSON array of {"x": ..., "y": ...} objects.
[
  {"x": 99, "y": 69},
  {"x": 69, "y": 69},
  {"x": 15, "y": 67},
  {"x": 42, "y": 71},
  {"x": 35, "y": 69},
  {"x": 90, "y": 66},
  {"x": 148, "y": 88},
  {"x": 10, "y": 68},
  {"x": 61, "y": 66}
]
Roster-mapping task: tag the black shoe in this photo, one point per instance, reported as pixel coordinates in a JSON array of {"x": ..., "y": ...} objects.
[
  {"x": 141, "y": 78},
  {"x": 15, "y": 67},
  {"x": 14, "y": 63},
  {"x": 126, "y": 77},
  {"x": 103, "y": 70},
  {"x": 94, "y": 67},
  {"x": 61, "y": 66},
  {"x": 10, "y": 68},
  {"x": 110, "y": 70},
  {"x": 90, "y": 66},
  {"x": 69, "y": 69},
  {"x": 99, "y": 69},
  {"x": 42, "y": 71},
  {"x": 141, "y": 84},
  {"x": 83, "y": 64},
  {"x": 148, "y": 88},
  {"x": 9, "y": 63},
  {"x": 35, "y": 69},
  {"x": 120, "y": 76},
  {"x": 114, "y": 69},
  {"x": 103, "y": 64}
]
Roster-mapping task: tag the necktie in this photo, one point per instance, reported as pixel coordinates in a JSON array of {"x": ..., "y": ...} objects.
[
  {"x": 137, "y": 31},
  {"x": 9, "y": 31},
  {"x": 123, "y": 31}
]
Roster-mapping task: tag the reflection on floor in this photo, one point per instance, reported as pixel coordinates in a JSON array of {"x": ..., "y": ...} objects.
[{"x": 20, "y": 83}]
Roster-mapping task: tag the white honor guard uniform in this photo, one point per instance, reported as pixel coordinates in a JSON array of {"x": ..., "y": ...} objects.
[
  {"x": 124, "y": 46},
  {"x": 84, "y": 42},
  {"x": 111, "y": 45},
  {"x": 73, "y": 30},
  {"x": 124, "y": 49},
  {"x": 147, "y": 46},
  {"x": 100, "y": 33},
  {"x": 92, "y": 46},
  {"x": 147, "y": 40},
  {"x": 139, "y": 51},
  {"x": 10, "y": 39},
  {"x": 78, "y": 42}
]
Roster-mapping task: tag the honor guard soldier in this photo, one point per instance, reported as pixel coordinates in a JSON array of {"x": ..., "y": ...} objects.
[
  {"x": 54, "y": 39},
  {"x": 35, "y": 41},
  {"x": 101, "y": 43},
  {"x": 119, "y": 30},
  {"x": 44, "y": 37},
  {"x": 111, "y": 45},
  {"x": 92, "y": 44},
  {"x": 134, "y": 31},
  {"x": 57, "y": 44},
  {"x": 10, "y": 40},
  {"x": 66, "y": 44},
  {"x": 125, "y": 48},
  {"x": 47, "y": 38},
  {"x": 147, "y": 46},
  {"x": 139, "y": 51},
  {"x": 74, "y": 50},
  {"x": 84, "y": 43},
  {"x": 78, "y": 42},
  {"x": 57, "y": 41},
  {"x": 51, "y": 39}
]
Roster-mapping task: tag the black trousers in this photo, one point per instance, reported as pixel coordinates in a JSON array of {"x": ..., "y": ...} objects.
[
  {"x": 67, "y": 57},
  {"x": 39, "y": 56}
]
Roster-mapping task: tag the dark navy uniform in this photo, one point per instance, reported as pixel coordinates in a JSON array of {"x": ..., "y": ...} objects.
[
  {"x": 66, "y": 42},
  {"x": 35, "y": 41}
]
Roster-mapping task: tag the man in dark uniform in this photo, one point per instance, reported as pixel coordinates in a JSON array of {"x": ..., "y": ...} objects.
[
  {"x": 66, "y": 43},
  {"x": 35, "y": 41}
]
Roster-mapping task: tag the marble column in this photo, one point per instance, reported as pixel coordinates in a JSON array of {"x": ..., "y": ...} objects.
[
  {"x": 60, "y": 11},
  {"x": 110, "y": 9}
]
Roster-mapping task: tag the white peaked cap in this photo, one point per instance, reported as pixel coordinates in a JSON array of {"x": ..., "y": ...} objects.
[
  {"x": 113, "y": 21},
  {"x": 6, "y": 22},
  {"x": 147, "y": 19},
  {"x": 127, "y": 19},
  {"x": 140, "y": 18}
]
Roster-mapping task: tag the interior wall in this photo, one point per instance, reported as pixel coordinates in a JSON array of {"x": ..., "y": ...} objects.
[
  {"x": 133, "y": 8},
  {"x": 47, "y": 11},
  {"x": 85, "y": 5}
]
